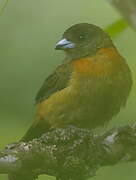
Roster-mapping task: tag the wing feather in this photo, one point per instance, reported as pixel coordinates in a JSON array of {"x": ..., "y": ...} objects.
[{"x": 55, "y": 82}]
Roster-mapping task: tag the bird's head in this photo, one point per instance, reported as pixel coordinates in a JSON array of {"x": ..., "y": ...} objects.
[{"x": 82, "y": 40}]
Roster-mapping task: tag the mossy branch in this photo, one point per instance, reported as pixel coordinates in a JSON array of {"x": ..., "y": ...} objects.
[{"x": 68, "y": 154}]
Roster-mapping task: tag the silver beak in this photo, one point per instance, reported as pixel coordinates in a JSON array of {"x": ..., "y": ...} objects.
[{"x": 64, "y": 44}]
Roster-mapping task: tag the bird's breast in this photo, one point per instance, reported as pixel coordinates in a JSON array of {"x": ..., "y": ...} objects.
[
  {"x": 97, "y": 89},
  {"x": 105, "y": 62}
]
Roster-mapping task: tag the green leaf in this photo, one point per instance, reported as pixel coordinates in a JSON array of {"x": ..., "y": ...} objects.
[
  {"x": 116, "y": 28},
  {"x": 3, "y": 6}
]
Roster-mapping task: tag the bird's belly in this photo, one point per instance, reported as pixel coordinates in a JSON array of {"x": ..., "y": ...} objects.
[
  {"x": 87, "y": 111},
  {"x": 86, "y": 107}
]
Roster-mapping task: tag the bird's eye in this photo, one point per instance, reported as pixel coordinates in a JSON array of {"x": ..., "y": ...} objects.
[{"x": 81, "y": 37}]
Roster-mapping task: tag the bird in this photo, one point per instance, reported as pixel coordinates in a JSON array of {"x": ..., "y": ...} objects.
[{"x": 90, "y": 86}]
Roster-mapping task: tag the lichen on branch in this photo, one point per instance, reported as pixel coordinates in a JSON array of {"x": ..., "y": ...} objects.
[{"x": 68, "y": 154}]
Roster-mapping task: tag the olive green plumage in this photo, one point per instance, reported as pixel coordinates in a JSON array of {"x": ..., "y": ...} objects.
[{"x": 88, "y": 89}]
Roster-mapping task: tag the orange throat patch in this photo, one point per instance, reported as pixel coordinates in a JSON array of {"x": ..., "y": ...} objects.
[{"x": 103, "y": 63}]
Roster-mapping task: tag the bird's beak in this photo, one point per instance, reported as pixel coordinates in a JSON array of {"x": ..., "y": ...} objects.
[{"x": 64, "y": 44}]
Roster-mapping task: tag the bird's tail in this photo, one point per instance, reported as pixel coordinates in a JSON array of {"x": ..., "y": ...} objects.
[{"x": 36, "y": 130}]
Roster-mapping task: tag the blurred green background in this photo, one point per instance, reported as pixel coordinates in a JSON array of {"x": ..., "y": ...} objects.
[{"x": 29, "y": 30}]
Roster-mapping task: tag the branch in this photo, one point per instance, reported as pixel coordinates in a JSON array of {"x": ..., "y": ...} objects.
[
  {"x": 68, "y": 154},
  {"x": 127, "y": 8}
]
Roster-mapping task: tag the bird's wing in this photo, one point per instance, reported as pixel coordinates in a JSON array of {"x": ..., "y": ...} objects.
[{"x": 55, "y": 82}]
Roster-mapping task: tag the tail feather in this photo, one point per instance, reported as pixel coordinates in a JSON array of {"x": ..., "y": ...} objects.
[{"x": 36, "y": 130}]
